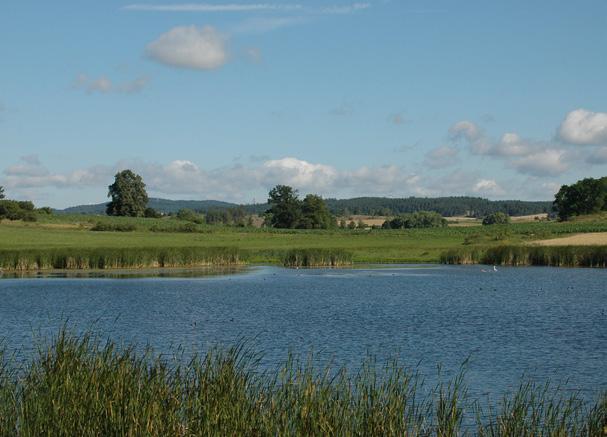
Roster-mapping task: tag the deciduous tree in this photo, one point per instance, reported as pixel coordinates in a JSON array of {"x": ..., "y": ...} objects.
[{"x": 128, "y": 194}]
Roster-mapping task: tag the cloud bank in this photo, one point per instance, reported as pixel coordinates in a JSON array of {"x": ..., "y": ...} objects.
[{"x": 239, "y": 183}]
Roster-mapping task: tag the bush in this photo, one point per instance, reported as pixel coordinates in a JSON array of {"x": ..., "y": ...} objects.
[
  {"x": 151, "y": 213},
  {"x": 190, "y": 216},
  {"x": 497, "y": 218},
  {"x": 419, "y": 219}
]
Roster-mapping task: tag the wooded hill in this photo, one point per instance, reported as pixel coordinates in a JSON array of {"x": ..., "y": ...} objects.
[{"x": 446, "y": 206}]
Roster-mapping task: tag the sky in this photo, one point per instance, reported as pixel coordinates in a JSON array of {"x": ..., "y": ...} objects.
[{"x": 224, "y": 100}]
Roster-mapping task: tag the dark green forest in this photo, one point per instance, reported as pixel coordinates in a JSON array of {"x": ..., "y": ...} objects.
[{"x": 446, "y": 206}]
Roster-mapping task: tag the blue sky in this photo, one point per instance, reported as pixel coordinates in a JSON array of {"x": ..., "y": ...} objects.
[{"x": 223, "y": 100}]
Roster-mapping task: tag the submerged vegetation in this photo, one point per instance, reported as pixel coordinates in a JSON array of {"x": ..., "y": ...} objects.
[{"x": 82, "y": 386}]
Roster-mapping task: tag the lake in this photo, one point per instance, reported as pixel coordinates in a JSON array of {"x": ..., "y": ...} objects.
[{"x": 532, "y": 323}]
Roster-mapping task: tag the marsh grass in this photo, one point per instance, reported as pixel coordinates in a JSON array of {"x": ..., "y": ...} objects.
[
  {"x": 125, "y": 258},
  {"x": 317, "y": 258},
  {"x": 79, "y": 385},
  {"x": 558, "y": 256}
]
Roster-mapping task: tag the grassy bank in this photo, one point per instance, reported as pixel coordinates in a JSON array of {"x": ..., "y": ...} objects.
[
  {"x": 557, "y": 256},
  {"x": 80, "y": 386},
  {"x": 66, "y": 241}
]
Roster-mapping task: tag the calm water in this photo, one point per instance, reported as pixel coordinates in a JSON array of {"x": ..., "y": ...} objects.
[{"x": 539, "y": 323}]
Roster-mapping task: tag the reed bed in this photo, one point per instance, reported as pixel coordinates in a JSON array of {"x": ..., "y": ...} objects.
[
  {"x": 123, "y": 258},
  {"x": 317, "y": 258},
  {"x": 557, "y": 256},
  {"x": 78, "y": 385}
]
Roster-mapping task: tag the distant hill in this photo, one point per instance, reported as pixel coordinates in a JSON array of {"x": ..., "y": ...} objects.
[
  {"x": 162, "y": 205},
  {"x": 385, "y": 206}
]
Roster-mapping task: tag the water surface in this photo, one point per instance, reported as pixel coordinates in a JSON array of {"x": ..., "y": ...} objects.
[{"x": 536, "y": 323}]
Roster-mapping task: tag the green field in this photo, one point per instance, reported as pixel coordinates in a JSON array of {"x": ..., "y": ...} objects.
[{"x": 74, "y": 233}]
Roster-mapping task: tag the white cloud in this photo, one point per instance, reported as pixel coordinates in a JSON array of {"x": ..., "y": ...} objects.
[
  {"x": 488, "y": 187},
  {"x": 465, "y": 129},
  {"x": 30, "y": 173},
  {"x": 582, "y": 127},
  {"x": 200, "y": 48},
  {"x": 549, "y": 162},
  {"x": 441, "y": 157},
  {"x": 346, "y": 9},
  {"x": 525, "y": 156},
  {"x": 293, "y": 171},
  {"x": 104, "y": 85}
]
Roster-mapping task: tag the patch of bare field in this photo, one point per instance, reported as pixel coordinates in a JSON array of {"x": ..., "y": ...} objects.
[
  {"x": 369, "y": 220},
  {"x": 589, "y": 239},
  {"x": 529, "y": 218}
]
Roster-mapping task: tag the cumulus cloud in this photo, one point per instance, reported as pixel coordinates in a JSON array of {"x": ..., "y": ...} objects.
[
  {"x": 104, "y": 85},
  {"x": 549, "y": 162},
  {"x": 441, "y": 157},
  {"x": 237, "y": 182},
  {"x": 31, "y": 173},
  {"x": 488, "y": 187},
  {"x": 528, "y": 157},
  {"x": 199, "y": 48},
  {"x": 583, "y": 127}
]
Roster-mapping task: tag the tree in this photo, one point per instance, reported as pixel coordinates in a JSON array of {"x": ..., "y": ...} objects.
[
  {"x": 151, "y": 213},
  {"x": 128, "y": 194},
  {"x": 420, "y": 219},
  {"x": 285, "y": 207},
  {"x": 315, "y": 214},
  {"x": 1, "y": 192},
  {"x": 497, "y": 218},
  {"x": 586, "y": 196}
]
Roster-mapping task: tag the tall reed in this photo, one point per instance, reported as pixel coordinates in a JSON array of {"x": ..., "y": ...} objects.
[
  {"x": 558, "y": 256},
  {"x": 86, "y": 387},
  {"x": 317, "y": 258},
  {"x": 117, "y": 258}
]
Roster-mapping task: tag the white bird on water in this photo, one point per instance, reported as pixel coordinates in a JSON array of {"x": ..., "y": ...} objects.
[{"x": 494, "y": 269}]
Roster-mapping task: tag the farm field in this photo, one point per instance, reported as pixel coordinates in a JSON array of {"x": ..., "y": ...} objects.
[{"x": 269, "y": 245}]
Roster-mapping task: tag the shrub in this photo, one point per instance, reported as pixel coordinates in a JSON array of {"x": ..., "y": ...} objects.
[
  {"x": 151, "y": 213},
  {"x": 190, "y": 216},
  {"x": 419, "y": 219},
  {"x": 497, "y": 218}
]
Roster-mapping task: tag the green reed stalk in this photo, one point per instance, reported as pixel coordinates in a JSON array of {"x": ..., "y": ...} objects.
[{"x": 79, "y": 385}]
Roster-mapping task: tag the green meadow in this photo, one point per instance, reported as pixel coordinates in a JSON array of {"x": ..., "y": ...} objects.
[{"x": 117, "y": 242}]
